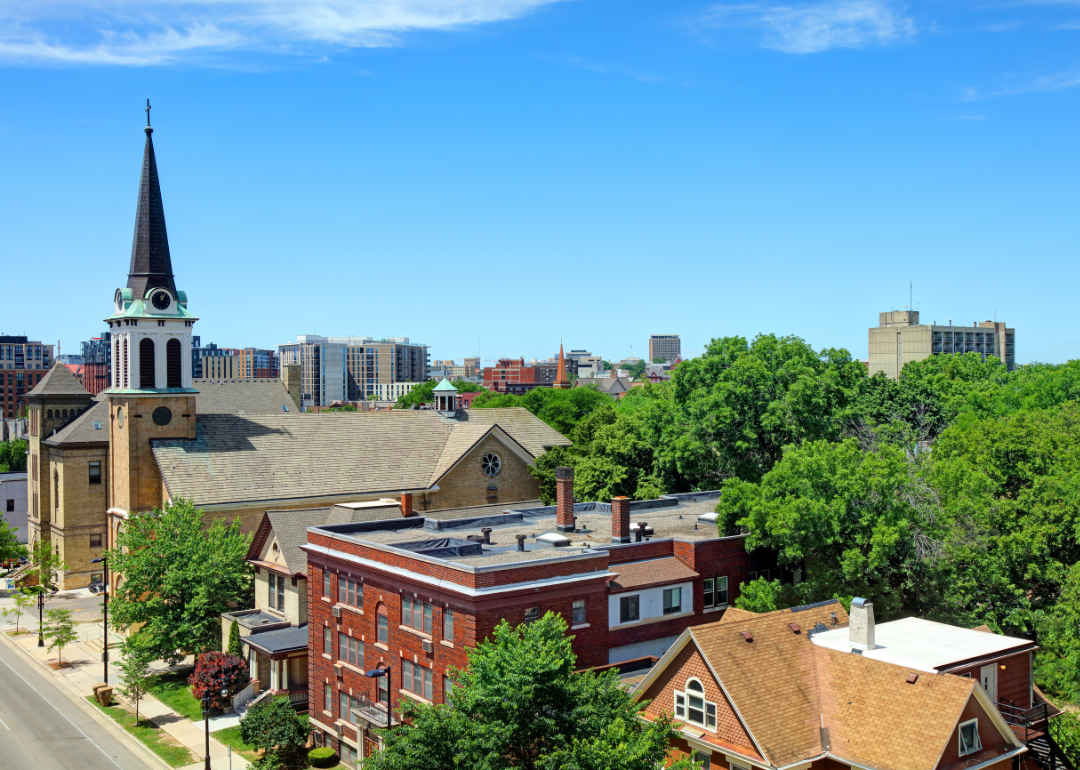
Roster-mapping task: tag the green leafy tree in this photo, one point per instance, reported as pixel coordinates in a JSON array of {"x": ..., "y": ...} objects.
[
  {"x": 425, "y": 393},
  {"x": 234, "y": 639},
  {"x": 46, "y": 566},
  {"x": 761, "y": 595},
  {"x": 13, "y": 455},
  {"x": 855, "y": 522},
  {"x": 134, "y": 665},
  {"x": 1065, "y": 729},
  {"x": 519, "y": 704},
  {"x": 10, "y": 547},
  {"x": 744, "y": 402},
  {"x": 23, "y": 601},
  {"x": 59, "y": 631},
  {"x": 277, "y": 729},
  {"x": 1057, "y": 663},
  {"x": 659, "y": 360},
  {"x": 178, "y": 577},
  {"x": 635, "y": 370}
]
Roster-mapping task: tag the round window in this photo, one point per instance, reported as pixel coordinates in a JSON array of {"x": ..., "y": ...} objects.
[
  {"x": 162, "y": 416},
  {"x": 491, "y": 464},
  {"x": 120, "y": 417}
]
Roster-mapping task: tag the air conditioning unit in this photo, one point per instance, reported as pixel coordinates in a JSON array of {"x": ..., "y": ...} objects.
[
  {"x": 339, "y": 669},
  {"x": 429, "y": 646},
  {"x": 337, "y": 612}
]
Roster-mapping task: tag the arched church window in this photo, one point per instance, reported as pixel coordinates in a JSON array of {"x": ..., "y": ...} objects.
[
  {"x": 56, "y": 490},
  {"x": 146, "y": 364},
  {"x": 49, "y": 414},
  {"x": 124, "y": 369},
  {"x": 173, "y": 363}
]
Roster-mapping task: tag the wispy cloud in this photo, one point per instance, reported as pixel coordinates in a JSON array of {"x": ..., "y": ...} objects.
[
  {"x": 154, "y": 32},
  {"x": 603, "y": 69},
  {"x": 812, "y": 28},
  {"x": 1058, "y": 81}
]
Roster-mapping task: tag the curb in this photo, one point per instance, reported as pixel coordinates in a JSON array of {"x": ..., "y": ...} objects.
[{"x": 137, "y": 746}]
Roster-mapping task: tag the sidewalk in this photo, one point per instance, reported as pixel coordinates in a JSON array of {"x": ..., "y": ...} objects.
[{"x": 78, "y": 680}]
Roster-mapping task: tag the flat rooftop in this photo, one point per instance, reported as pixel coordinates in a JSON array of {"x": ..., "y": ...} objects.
[
  {"x": 455, "y": 535},
  {"x": 925, "y": 645}
]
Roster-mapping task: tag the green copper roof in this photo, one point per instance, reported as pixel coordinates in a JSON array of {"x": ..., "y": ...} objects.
[
  {"x": 445, "y": 385},
  {"x": 139, "y": 309}
]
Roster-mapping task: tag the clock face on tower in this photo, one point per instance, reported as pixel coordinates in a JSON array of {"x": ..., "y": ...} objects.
[{"x": 161, "y": 300}]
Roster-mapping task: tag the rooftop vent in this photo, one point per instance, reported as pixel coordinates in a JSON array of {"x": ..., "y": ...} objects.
[
  {"x": 97, "y": 425},
  {"x": 747, "y": 636},
  {"x": 912, "y": 678},
  {"x": 794, "y": 628},
  {"x": 554, "y": 539},
  {"x": 521, "y": 542},
  {"x": 708, "y": 518}
]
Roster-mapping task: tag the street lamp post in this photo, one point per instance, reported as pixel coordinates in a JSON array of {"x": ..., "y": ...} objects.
[
  {"x": 375, "y": 673},
  {"x": 105, "y": 641},
  {"x": 41, "y": 616},
  {"x": 206, "y": 716}
]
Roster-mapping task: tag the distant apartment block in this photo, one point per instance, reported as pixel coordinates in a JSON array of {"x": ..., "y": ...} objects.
[
  {"x": 513, "y": 375},
  {"x": 97, "y": 362},
  {"x": 900, "y": 338},
  {"x": 353, "y": 368},
  {"x": 665, "y": 346},
  {"x": 22, "y": 365},
  {"x": 258, "y": 364},
  {"x": 450, "y": 370}
]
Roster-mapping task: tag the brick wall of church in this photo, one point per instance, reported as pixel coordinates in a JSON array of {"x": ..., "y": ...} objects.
[
  {"x": 467, "y": 484},
  {"x": 80, "y": 513}
]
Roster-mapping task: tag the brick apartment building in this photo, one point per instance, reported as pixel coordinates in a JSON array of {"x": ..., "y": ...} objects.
[
  {"x": 97, "y": 363},
  {"x": 414, "y": 592},
  {"x": 514, "y": 376},
  {"x": 22, "y": 365}
]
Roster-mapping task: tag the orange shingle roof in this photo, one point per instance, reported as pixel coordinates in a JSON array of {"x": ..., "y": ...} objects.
[{"x": 652, "y": 572}]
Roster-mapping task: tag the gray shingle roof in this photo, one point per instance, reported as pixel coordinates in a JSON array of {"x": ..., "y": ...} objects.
[
  {"x": 214, "y": 397},
  {"x": 82, "y": 430},
  {"x": 249, "y": 458},
  {"x": 242, "y": 397},
  {"x": 59, "y": 381},
  {"x": 281, "y": 640}
]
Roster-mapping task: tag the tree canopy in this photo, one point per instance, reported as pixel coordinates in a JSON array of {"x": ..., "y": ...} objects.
[
  {"x": 178, "y": 577},
  {"x": 425, "y": 393},
  {"x": 13, "y": 455},
  {"x": 520, "y": 706}
]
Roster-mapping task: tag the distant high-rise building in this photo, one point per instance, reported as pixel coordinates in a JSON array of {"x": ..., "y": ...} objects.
[
  {"x": 97, "y": 362},
  {"x": 255, "y": 363},
  {"x": 352, "y": 368},
  {"x": 22, "y": 364},
  {"x": 899, "y": 338},
  {"x": 665, "y": 346}
]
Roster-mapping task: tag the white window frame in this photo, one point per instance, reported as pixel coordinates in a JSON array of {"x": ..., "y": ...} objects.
[
  {"x": 960, "y": 737},
  {"x": 708, "y": 708}
]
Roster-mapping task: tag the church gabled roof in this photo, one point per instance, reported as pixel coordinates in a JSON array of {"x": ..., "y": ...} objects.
[
  {"x": 59, "y": 381},
  {"x": 151, "y": 264}
]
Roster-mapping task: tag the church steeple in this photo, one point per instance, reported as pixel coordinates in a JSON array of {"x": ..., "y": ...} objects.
[
  {"x": 151, "y": 265},
  {"x": 561, "y": 380}
]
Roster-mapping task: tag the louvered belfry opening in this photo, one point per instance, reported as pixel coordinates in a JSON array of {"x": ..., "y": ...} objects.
[
  {"x": 173, "y": 363},
  {"x": 146, "y": 365}
]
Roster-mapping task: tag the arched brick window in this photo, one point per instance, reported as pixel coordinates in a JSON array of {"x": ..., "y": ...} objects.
[
  {"x": 173, "y": 363},
  {"x": 146, "y": 364},
  {"x": 382, "y": 624}
]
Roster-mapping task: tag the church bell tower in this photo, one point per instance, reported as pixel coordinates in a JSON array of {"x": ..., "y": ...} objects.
[{"x": 150, "y": 396}]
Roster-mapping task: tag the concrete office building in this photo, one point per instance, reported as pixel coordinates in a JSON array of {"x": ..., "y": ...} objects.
[
  {"x": 351, "y": 368},
  {"x": 900, "y": 338},
  {"x": 665, "y": 346}
]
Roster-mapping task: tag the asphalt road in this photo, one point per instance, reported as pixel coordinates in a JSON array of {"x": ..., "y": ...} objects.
[{"x": 40, "y": 728}]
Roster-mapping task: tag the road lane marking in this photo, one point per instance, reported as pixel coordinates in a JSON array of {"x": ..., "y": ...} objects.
[{"x": 58, "y": 711}]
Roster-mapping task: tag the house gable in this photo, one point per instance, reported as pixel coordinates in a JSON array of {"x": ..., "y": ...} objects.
[
  {"x": 994, "y": 734},
  {"x": 686, "y": 664}
]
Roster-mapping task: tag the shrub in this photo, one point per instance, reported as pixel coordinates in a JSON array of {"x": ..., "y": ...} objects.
[
  {"x": 324, "y": 757},
  {"x": 275, "y": 728},
  {"x": 234, "y": 640},
  {"x": 215, "y": 670}
]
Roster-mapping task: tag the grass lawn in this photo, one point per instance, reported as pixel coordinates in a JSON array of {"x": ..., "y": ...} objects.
[
  {"x": 174, "y": 691},
  {"x": 230, "y": 736},
  {"x": 160, "y": 742}
]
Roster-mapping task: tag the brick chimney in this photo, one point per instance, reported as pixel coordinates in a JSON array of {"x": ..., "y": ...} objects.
[
  {"x": 861, "y": 625},
  {"x": 620, "y": 519},
  {"x": 564, "y": 499},
  {"x": 406, "y": 505}
]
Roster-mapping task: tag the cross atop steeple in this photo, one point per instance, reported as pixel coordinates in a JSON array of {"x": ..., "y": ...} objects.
[{"x": 148, "y": 113}]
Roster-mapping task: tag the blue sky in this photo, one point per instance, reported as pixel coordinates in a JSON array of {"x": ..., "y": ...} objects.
[{"x": 500, "y": 174}]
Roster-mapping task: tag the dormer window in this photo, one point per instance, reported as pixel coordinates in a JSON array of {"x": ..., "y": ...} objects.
[
  {"x": 691, "y": 706},
  {"x": 969, "y": 737}
]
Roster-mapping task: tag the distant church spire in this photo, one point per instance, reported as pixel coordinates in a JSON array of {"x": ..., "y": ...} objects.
[
  {"x": 561, "y": 380},
  {"x": 151, "y": 265}
]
